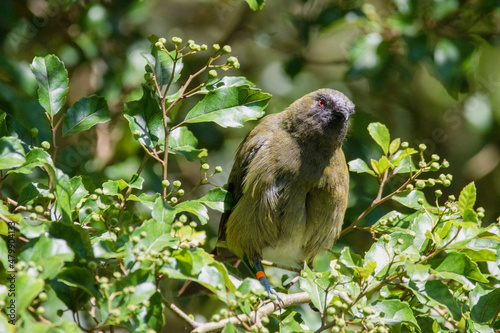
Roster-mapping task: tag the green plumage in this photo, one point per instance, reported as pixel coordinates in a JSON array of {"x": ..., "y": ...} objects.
[{"x": 290, "y": 183}]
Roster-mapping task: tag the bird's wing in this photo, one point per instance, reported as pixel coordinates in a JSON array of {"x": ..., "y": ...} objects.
[{"x": 246, "y": 153}]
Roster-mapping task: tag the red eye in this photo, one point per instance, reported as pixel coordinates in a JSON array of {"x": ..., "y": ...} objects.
[{"x": 321, "y": 102}]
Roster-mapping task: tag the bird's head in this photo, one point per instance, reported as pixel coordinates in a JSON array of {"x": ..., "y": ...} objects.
[{"x": 323, "y": 114}]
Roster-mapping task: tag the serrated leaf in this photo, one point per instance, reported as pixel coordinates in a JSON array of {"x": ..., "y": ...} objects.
[
  {"x": 84, "y": 114},
  {"x": 360, "y": 166},
  {"x": 11, "y": 153},
  {"x": 49, "y": 253},
  {"x": 316, "y": 289},
  {"x": 229, "y": 106},
  {"x": 193, "y": 207},
  {"x": 380, "y": 135},
  {"x": 411, "y": 200},
  {"x": 145, "y": 120},
  {"x": 63, "y": 191},
  {"x": 396, "y": 312},
  {"x": 226, "y": 81},
  {"x": 162, "y": 64},
  {"x": 484, "y": 304},
  {"x": 182, "y": 141},
  {"x": 162, "y": 211},
  {"x": 34, "y": 158},
  {"x": 467, "y": 198},
  {"x": 218, "y": 199},
  {"x": 460, "y": 264},
  {"x": 52, "y": 78},
  {"x": 440, "y": 293}
]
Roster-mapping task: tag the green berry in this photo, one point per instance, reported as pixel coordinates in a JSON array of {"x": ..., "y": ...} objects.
[
  {"x": 218, "y": 169},
  {"x": 176, "y": 40},
  {"x": 420, "y": 184},
  {"x": 45, "y": 145},
  {"x": 177, "y": 184},
  {"x": 193, "y": 224},
  {"x": 438, "y": 193},
  {"x": 34, "y": 132},
  {"x": 40, "y": 310},
  {"x": 446, "y": 164},
  {"x": 212, "y": 74},
  {"x": 173, "y": 200},
  {"x": 183, "y": 218},
  {"x": 435, "y": 166},
  {"x": 180, "y": 192},
  {"x": 226, "y": 49},
  {"x": 43, "y": 296},
  {"x": 422, "y": 147},
  {"x": 203, "y": 47},
  {"x": 165, "y": 183},
  {"x": 215, "y": 47},
  {"x": 451, "y": 198},
  {"x": 205, "y": 166}
]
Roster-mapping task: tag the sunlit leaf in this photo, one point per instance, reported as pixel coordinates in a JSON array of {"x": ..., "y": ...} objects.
[{"x": 52, "y": 78}]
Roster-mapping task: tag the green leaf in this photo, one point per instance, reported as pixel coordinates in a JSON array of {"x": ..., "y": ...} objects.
[
  {"x": 411, "y": 200},
  {"x": 84, "y": 114},
  {"x": 316, "y": 288},
  {"x": 49, "y": 253},
  {"x": 63, "y": 190},
  {"x": 229, "y": 106},
  {"x": 380, "y": 135},
  {"x": 359, "y": 166},
  {"x": 162, "y": 64},
  {"x": 218, "y": 199},
  {"x": 183, "y": 142},
  {"x": 193, "y": 207},
  {"x": 226, "y": 81},
  {"x": 34, "y": 158},
  {"x": 256, "y": 4},
  {"x": 11, "y": 153},
  {"x": 78, "y": 277},
  {"x": 396, "y": 313},
  {"x": 52, "y": 78},
  {"x": 484, "y": 304},
  {"x": 458, "y": 266},
  {"x": 199, "y": 266},
  {"x": 145, "y": 120},
  {"x": 467, "y": 198},
  {"x": 394, "y": 146},
  {"x": 77, "y": 237},
  {"x": 78, "y": 191},
  {"x": 27, "y": 288},
  {"x": 162, "y": 211},
  {"x": 136, "y": 182},
  {"x": 440, "y": 293}
]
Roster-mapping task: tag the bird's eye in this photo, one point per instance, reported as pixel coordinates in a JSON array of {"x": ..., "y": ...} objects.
[{"x": 321, "y": 102}]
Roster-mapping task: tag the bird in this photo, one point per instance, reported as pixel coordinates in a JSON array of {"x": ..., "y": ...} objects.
[{"x": 289, "y": 184}]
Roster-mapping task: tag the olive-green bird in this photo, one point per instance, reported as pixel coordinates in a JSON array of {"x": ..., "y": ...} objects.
[{"x": 290, "y": 185}]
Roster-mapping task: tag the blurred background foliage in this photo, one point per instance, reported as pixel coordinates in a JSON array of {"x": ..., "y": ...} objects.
[{"x": 428, "y": 69}]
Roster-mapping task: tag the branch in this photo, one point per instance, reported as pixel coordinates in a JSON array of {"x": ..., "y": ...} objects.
[{"x": 255, "y": 316}]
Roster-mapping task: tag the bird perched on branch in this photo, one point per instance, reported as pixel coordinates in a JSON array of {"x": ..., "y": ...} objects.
[{"x": 290, "y": 185}]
